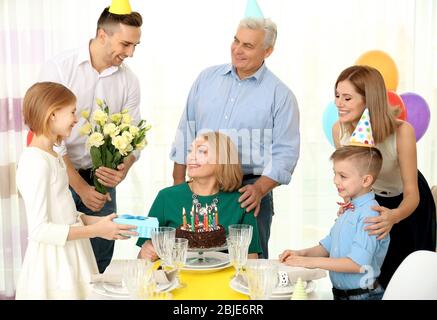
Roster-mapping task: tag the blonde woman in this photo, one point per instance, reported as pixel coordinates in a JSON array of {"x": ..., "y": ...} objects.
[
  {"x": 406, "y": 207},
  {"x": 215, "y": 176}
]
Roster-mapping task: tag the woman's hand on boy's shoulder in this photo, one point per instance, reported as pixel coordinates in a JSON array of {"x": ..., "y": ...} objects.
[{"x": 381, "y": 224}]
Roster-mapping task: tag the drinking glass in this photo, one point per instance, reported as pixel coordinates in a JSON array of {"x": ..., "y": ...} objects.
[
  {"x": 137, "y": 277},
  {"x": 241, "y": 231},
  {"x": 238, "y": 251},
  {"x": 261, "y": 278},
  {"x": 163, "y": 239},
  {"x": 179, "y": 257}
]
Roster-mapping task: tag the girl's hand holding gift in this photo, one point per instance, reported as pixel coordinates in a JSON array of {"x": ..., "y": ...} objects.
[{"x": 109, "y": 230}]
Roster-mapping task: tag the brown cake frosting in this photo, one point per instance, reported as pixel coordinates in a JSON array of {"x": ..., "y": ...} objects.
[{"x": 203, "y": 239}]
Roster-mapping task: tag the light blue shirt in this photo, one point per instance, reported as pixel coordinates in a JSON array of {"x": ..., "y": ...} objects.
[
  {"x": 259, "y": 113},
  {"x": 348, "y": 238}
]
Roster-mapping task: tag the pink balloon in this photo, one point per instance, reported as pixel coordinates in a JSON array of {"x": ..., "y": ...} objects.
[{"x": 418, "y": 113}]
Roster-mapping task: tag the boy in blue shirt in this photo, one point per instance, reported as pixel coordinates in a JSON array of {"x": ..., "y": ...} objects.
[{"x": 351, "y": 255}]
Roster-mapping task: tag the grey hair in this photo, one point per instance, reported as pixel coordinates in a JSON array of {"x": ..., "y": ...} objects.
[{"x": 262, "y": 24}]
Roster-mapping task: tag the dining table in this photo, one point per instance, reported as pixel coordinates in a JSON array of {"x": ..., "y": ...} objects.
[{"x": 209, "y": 284}]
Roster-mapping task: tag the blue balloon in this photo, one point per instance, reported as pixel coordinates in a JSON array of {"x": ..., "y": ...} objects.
[{"x": 330, "y": 116}]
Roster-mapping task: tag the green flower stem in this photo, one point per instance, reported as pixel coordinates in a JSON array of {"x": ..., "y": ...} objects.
[{"x": 99, "y": 187}]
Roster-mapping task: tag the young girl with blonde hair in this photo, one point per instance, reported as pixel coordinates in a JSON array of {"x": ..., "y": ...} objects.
[{"x": 59, "y": 260}]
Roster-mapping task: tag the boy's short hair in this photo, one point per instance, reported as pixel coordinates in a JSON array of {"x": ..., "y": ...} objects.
[
  {"x": 368, "y": 160},
  {"x": 109, "y": 21}
]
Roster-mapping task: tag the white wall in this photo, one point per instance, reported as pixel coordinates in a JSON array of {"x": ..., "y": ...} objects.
[{"x": 316, "y": 40}]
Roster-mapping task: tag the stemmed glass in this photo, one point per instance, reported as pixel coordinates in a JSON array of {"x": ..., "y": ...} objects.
[
  {"x": 261, "y": 278},
  {"x": 163, "y": 239},
  {"x": 238, "y": 252},
  {"x": 137, "y": 277},
  {"x": 241, "y": 231},
  {"x": 179, "y": 257}
]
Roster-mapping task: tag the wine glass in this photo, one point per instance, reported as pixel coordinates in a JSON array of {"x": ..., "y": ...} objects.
[
  {"x": 241, "y": 231},
  {"x": 163, "y": 239},
  {"x": 261, "y": 278},
  {"x": 137, "y": 277},
  {"x": 179, "y": 257},
  {"x": 238, "y": 252}
]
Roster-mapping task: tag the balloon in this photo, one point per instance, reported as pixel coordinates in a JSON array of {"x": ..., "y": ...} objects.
[
  {"x": 29, "y": 137},
  {"x": 395, "y": 101},
  {"x": 418, "y": 113},
  {"x": 330, "y": 116},
  {"x": 384, "y": 64}
]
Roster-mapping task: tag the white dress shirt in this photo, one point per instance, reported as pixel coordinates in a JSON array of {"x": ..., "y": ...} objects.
[{"x": 118, "y": 86}]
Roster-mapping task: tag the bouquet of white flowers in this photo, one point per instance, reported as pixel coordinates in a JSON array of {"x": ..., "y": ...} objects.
[{"x": 111, "y": 138}]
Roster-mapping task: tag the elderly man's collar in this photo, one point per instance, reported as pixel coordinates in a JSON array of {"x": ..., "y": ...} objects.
[{"x": 256, "y": 76}]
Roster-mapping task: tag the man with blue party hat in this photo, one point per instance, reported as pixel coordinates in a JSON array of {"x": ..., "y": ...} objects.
[
  {"x": 97, "y": 71},
  {"x": 246, "y": 101}
]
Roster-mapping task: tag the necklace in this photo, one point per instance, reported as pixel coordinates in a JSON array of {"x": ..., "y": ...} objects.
[
  {"x": 207, "y": 208},
  {"x": 201, "y": 219}
]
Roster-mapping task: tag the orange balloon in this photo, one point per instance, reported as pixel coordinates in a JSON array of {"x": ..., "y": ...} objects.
[
  {"x": 383, "y": 63},
  {"x": 395, "y": 101}
]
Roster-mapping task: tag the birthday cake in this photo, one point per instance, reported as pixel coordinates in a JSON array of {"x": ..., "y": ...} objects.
[
  {"x": 203, "y": 231},
  {"x": 203, "y": 239}
]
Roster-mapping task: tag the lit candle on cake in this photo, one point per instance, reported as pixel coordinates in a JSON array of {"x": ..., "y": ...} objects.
[
  {"x": 196, "y": 220},
  {"x": 213, "y": 220},
  {"x": 205, "y": 220},
  {"x": 210, "y": 223},
  {"x": 191, "y": 216},
  {"x": 216, "y": 216},
  {"x": 184, "y": 218}
]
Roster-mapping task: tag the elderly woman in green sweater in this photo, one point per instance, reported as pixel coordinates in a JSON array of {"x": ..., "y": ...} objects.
[{"x": 215, "y": 177}]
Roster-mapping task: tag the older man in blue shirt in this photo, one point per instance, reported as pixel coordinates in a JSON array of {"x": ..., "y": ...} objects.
[{"x": 246, "y": 101}]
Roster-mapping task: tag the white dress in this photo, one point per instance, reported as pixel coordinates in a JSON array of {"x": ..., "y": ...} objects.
[{"x": 53, "y": 268}]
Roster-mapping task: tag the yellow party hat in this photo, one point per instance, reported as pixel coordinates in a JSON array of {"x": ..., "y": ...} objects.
[
  {"x": 362, "y": 135},
  {"x": 299, "y": 292},
  {"x": 120, "y": 7}
]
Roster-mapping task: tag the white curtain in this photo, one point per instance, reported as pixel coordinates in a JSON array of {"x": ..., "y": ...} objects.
[{"x": 316, "y": 40}]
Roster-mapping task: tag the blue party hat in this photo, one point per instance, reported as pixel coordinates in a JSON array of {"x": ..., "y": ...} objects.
[{"x": 253, "y": 10}]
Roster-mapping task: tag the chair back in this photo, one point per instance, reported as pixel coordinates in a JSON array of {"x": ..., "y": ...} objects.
[{"x": 415, "y": 278}]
